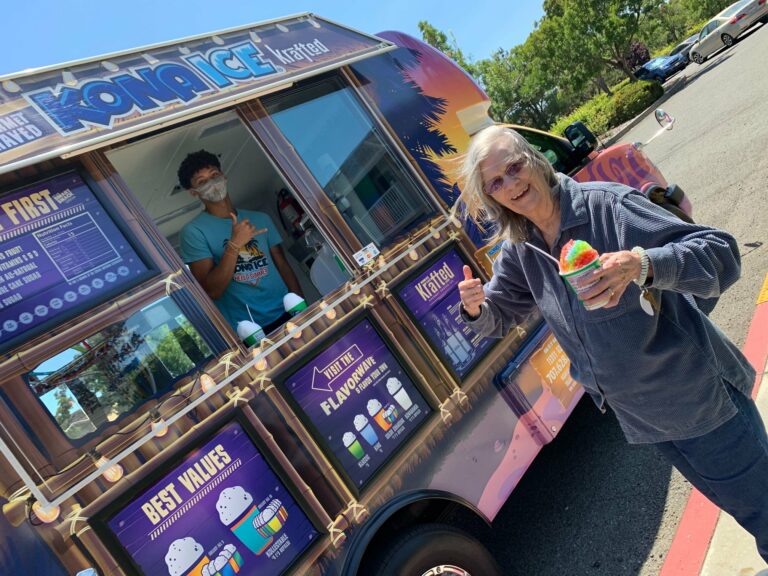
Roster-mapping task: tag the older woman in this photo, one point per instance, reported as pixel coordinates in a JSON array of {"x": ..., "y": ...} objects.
[{"x": 650, "y": 352}]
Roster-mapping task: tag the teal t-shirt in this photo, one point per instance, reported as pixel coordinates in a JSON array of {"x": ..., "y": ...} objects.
[{"x": 256, "y": 282}]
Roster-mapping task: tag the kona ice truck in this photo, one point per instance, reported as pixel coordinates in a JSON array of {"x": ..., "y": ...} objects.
[{"x": 139, "y": 434}]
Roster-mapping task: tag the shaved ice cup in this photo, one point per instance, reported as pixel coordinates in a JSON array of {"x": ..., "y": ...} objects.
[{"x": 582, "y": 280}]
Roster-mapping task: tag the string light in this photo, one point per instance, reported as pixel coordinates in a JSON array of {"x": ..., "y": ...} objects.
[
  {"x": 48, "y": 514},
  {"x": 290, "y": 327},
  {"x": 330, "y": 312},
  {"x": 207, "y": 383},
  {"x": 112, "y": 473},
  {"x": 159, "y": 427},
  {"x": 11, "y": 86},
  {"x": 68, "y": 78},
  {"x": 261, "y": 363}
]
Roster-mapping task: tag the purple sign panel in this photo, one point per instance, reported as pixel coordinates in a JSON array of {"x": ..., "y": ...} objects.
[
  {"x": 59, "y": 252},
  {"x": 360, "y": 399},
  {"x": 221, "y": 512},
  {"x": 433, "y": 299}
]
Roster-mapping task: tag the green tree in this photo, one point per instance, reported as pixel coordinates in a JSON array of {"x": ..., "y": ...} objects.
[
  {"x": 448, "y": 46},
  {"x": 599, "y": 33}
]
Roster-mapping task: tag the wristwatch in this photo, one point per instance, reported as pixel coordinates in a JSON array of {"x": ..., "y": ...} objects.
[{"x": 644, "y": 264}]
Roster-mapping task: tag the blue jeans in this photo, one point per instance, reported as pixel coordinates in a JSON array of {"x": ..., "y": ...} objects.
[{"x": 730, "y": 467}]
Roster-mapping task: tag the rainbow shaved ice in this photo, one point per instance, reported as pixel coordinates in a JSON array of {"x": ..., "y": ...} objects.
[{"x": 575, "y": 255}]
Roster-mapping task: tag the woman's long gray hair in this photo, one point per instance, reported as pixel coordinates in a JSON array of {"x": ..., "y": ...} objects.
[{"x": 480, "y": 206}]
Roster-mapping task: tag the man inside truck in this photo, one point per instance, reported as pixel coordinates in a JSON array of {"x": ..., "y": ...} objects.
[{"x": 235, "y": 254}]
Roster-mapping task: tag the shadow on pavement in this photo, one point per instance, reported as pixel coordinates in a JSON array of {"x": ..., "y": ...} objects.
[{"x": 589, "y": 504}]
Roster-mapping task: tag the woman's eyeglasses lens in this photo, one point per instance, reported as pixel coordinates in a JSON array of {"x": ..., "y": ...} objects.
[{"x": 511, "y": 171}]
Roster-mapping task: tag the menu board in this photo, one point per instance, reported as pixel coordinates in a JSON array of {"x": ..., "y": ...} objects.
[
  {"x": 432, "y": 297},
  {"x": 60, "y": 253},
  {"x": 222, "y": 511},
  {"x": 360, "y": 400}
]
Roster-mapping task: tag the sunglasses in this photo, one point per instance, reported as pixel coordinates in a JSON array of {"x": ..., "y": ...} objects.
[{"x": 511, "y": 171}]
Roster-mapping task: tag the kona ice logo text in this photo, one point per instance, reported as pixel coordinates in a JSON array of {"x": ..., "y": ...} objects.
[{"x": 150, "y": 88}]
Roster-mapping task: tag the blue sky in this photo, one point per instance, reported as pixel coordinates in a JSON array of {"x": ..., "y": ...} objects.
[{"x": 43, "y": 32}]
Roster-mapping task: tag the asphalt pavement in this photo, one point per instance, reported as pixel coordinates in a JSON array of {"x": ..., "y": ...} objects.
[{"x": 592, "y": 504}]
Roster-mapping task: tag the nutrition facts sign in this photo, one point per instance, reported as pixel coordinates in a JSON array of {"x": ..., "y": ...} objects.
[
  {"x": 60, "y": 252},
  {"x": 222, "y": 511},
  {"x": 361, "y": 401}
]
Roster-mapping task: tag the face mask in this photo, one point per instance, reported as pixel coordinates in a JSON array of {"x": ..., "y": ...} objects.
[{"x": 214, "y": 190}]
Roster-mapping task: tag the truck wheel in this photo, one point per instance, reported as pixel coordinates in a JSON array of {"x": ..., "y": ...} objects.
[{"x": 432, "y": 549}]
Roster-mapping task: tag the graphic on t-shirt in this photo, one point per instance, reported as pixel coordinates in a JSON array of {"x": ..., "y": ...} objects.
[{"x": 252, "y": 264}]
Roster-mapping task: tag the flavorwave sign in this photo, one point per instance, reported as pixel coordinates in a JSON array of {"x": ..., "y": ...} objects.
[{"x": 73, "y": 105}]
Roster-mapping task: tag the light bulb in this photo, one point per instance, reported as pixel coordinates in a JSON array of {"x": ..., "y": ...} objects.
[
  {"x": 47, "y": 514},
  {"x": 435, "y": 233},
  {"x": 330, "y": 313},
  {"x": 207, "y": 383},
  {"x": 413, "y": 255},
  {"x": 111, "y": 474},
  {"x": 159, "y": 427},
  {"x": 261, "y": 363},
  {"x": 290, "y": 327}
]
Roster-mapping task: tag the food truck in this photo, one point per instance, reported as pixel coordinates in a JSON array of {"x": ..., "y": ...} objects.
[{"x": 139, "y": 434}]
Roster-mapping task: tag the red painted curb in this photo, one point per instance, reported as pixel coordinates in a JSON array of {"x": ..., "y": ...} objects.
[{"x": 697, "y": 525}]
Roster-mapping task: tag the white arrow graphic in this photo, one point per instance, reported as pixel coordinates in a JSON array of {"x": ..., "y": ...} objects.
[{"x": 337, "y": 367}]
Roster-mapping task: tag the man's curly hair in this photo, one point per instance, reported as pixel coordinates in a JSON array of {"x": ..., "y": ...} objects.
[{"x": 194, "y": 162}]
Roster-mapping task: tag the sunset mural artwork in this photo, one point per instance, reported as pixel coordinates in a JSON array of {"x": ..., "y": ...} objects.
[{"x": 436, "y": 91}]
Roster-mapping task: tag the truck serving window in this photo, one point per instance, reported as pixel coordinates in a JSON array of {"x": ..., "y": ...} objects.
[
  {"x": 350, "y": 159},
  {"x": 104, "y": 377}
]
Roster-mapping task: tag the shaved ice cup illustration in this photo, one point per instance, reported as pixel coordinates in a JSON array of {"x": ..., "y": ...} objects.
[
  {"x": 353, "y": 445},
  {"x": 186, "y": 557},
  {"x": 396, "y": 390},
  {"x": 271, "y": 519},
  {"x": 227, "y": 563},
  {"x": 237, "y": 511},
  {"x": 365, "y": 429},
  {"x": 391, "y": 414},
  {"x": 377, "y": 412}
]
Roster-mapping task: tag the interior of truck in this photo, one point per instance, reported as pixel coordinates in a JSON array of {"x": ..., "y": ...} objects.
[{"x": 149, "y": 167}]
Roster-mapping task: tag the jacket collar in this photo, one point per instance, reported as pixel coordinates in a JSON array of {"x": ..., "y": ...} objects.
[{"x": 573, "y": 206}]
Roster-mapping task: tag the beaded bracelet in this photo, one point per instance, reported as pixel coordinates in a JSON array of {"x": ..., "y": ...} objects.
[{"x": 644, "y": 263}]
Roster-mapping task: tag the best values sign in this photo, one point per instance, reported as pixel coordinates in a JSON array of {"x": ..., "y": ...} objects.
[
  {"x": 221, "y": 511},
  {"x": 59, "y": 252},
  {"x": 433, "y": 299},
  {"x": 360, "y": 399}
]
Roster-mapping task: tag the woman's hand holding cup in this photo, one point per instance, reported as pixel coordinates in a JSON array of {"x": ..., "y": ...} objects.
[{"x": 471, "y": 292}]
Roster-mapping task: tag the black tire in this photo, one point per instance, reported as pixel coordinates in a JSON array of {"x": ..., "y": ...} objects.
[
  {"x": 698, "y": 58},
  {"x": 428, "y": 547},
  {"x": 727, "y": 40}
]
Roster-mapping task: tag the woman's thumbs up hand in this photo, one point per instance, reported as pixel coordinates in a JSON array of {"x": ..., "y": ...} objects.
[{"x": 471, "y": 292}]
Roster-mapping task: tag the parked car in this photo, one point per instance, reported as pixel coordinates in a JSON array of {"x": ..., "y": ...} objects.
[
  {"x": 727, "y": 26},
  {"x": 684, "y": 48},
  {"x": 661, "y": 67}
]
